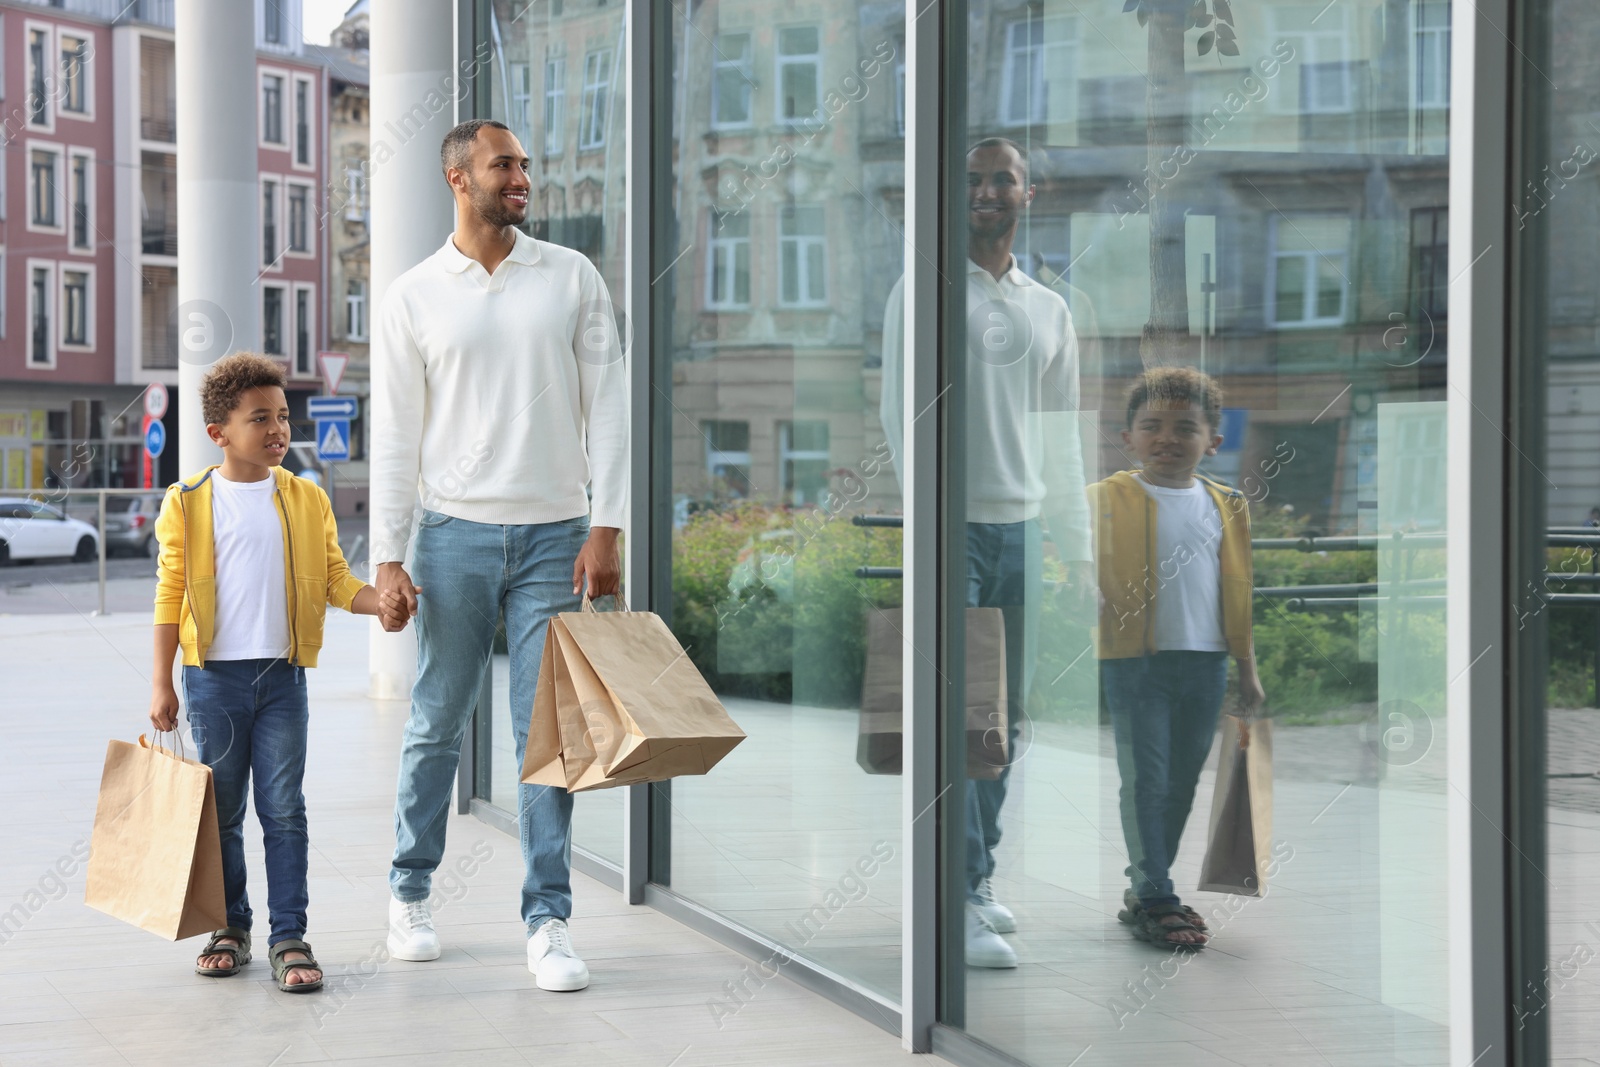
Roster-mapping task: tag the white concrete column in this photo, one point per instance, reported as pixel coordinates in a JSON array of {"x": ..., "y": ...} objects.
[
  {"x": 414, "y": 87},
  {"x": 219, "y": 246}
]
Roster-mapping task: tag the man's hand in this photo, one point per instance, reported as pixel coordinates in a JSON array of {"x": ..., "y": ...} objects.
[
  {"x": 598, "y": 563},
  {"x": 393, "y": 579},
  {"x": 1251, "y": 695},
  {"x": 164, "y": 707}
]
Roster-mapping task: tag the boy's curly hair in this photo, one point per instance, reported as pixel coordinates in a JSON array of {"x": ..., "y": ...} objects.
[
  {"x": 231, "y": 377},
  {"x": 1170, "y": 385}
]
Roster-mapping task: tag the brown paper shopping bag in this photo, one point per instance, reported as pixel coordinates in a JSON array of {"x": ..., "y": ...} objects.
[
  {"x": 155, "y": 859},
  {"x": 619, "y": 702},
  {"x": 878, "y": 746},
  {"x": 1239, "y": 845}
]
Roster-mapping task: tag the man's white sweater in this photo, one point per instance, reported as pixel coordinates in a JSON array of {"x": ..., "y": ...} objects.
[{"x": 500, "y": 398}]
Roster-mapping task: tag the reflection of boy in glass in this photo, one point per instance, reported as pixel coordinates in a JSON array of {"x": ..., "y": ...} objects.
[
  {"x": 1172, "y": 549},
  {"x": 1024, "y": 463}
]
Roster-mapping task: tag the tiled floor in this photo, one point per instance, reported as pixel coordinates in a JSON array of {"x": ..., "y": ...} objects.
[{"x": 77, "y": 987}]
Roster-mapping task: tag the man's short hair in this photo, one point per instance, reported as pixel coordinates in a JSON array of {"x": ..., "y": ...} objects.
[
  {"x": 230, "y": 378},
  {"x": 1174, "y": 385},
  {"x": 457, "y": 147},
  {"x": 1006, "y": 142}
]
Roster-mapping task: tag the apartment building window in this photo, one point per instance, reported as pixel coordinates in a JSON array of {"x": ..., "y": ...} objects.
[
  {"x": 272, "y": 28},
  {"x": 803, "y": 461},
  {"x": 728, "y": 454},
  {"x": 355, "y": 310},
  {"x": 1038, "y": 80},
  {"x": 41, "y": 310},
  {"x": 731, "y": 83},
  {"x": 299, "y": 218},
  {"x": 82, "y": 201},
  {"x": 1309, "y": 269},
  {"x": 521, "y": 109},
  {"x": 555, "y": 104},
  {"x": 1430, "y": 52},
  {"x": 728, "y": 261},
  {"x": 1321, "y": 41},
  {"x": 45, "y": 187},
  {"x": 302, "y": 122},
  {"x": 75, "y": 308},
  {"x": 272, "y": 108},
  {"x": 39, "y": 113},
  {"x": 74, "y": 75},
  {"x": 596, "y": 88},
  {"x": 269, "y": 223},
  {"x": 799, "y": 73},
  {"x": 302, "y": 330},
  {"x": 1430, "y": 266},
  {"x": 802, "y": 256},
  {"x": 355, "y": 193},
  {"x": 272, "y": 320}
]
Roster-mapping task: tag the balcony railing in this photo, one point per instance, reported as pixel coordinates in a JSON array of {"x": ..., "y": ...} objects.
[{"x": 160, "y": 239}]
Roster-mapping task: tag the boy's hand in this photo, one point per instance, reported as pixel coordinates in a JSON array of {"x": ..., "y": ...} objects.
[
  {"x": 392, "y": 578},
  {"x": 164, "y": 708},
  {"x": 392, "y": 611}
]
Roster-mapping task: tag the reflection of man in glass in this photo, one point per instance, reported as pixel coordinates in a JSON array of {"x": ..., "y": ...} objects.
[{"x": 1024, "y": 464}]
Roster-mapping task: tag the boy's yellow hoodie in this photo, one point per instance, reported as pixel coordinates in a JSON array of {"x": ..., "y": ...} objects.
[
  {"x": 1129, "y": 573},
  {"x": 315, "y": 572}
]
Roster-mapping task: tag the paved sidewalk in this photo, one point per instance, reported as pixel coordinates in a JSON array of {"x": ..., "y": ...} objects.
[{"x": 77, "y": 987}]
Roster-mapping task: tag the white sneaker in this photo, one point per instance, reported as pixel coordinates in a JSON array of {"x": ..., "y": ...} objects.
[
  {"x": 1001, "y": 921},
  {"x": 411, "y": 935},
  {"x": 555, "y": 965},
  {"x": 985, "y": 948}
]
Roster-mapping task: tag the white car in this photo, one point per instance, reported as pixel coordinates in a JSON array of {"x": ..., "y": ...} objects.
[{"x": 31, "y": 530}]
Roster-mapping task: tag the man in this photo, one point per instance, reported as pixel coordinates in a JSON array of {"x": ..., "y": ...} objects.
[
  {"x": 499, "y": 391},
  {"x": 1024, "y": 463}
]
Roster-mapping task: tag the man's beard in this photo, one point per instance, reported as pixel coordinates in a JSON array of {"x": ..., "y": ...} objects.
[
  {"x": 491, "y": 209},
  {"x": 990, "y": 227}
]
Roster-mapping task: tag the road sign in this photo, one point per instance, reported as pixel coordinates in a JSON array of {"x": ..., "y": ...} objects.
[
  {"x": 333, "y": 365},
  {"x": 333, "y": 440},
  {"x": 155, "y": 438},
  {"x": 155, "y": 400},
  {"x": 330, "y": 407}
]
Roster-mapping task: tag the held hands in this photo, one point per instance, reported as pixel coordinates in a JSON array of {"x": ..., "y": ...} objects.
[
  {"x": 392, "y": 611},
  {"x": 397, "y": 596}
]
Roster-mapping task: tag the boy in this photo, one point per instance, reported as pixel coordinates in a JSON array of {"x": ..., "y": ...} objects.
[
  {"x": 1173, "y": 554},
  {"x": 249, "y": 562}
]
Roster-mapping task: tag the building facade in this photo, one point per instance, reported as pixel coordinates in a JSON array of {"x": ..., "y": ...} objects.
[{"x": 88, "y": 285}]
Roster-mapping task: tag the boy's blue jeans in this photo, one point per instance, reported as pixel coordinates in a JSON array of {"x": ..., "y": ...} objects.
[
  {"x": 1005, "y": 571},
  {"x": 1164, "y": 711},
  {"x": 469, "y": 572},
  {"x": 249, "y": 720}
]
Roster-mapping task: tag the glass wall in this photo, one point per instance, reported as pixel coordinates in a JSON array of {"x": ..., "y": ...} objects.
[
  {"x": 553, "y": 74},
  {"x": 785, "y": 213},
  {"x": 1205, "y": 338},
  {"x": 1554, "y": 212}
]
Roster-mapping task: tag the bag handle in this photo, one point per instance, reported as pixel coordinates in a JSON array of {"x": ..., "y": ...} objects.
[
  {"x": 155, "y": 744},
  {"x": 588, "y": 607}
]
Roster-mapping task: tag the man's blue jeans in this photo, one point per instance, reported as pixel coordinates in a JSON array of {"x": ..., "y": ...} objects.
[
  {"x": 249, "y": 719},
  {"x": 469, "y": 572},
  {"x": 1004, "y": 570},
  {"x": 1164, "y": 711}
]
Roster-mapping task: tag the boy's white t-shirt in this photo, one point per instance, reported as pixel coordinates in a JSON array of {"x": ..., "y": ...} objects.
[
  {"x": 1188, "y": 570},
  {"x": 252, "y": 608}
]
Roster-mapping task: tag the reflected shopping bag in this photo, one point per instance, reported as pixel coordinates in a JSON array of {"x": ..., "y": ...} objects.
[
  {"x": 1239, "y": 844},
  {"x": 155, "y": 859},
  {"x": 619, "y": 702},
  {"x": 878, "y": 745}
]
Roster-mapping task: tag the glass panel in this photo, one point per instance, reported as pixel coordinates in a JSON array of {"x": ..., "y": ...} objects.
[
  {"x": 1554, "y": 212},
  {"x": 1198, "y": 433},
  {"x": 776, "y": 450},
  {"x": 578, "y": 205}
]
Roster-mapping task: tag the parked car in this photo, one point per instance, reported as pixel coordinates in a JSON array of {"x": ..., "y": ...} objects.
[
  {"x": 31, "y": 530},
  {"x": 131, "y": 524}
]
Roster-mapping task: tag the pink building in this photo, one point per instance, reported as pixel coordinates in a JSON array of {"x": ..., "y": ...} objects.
[{"x": 88, "y": 230}]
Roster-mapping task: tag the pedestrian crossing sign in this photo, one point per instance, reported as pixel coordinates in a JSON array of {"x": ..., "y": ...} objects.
[{"x": 333, "y": 440}]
